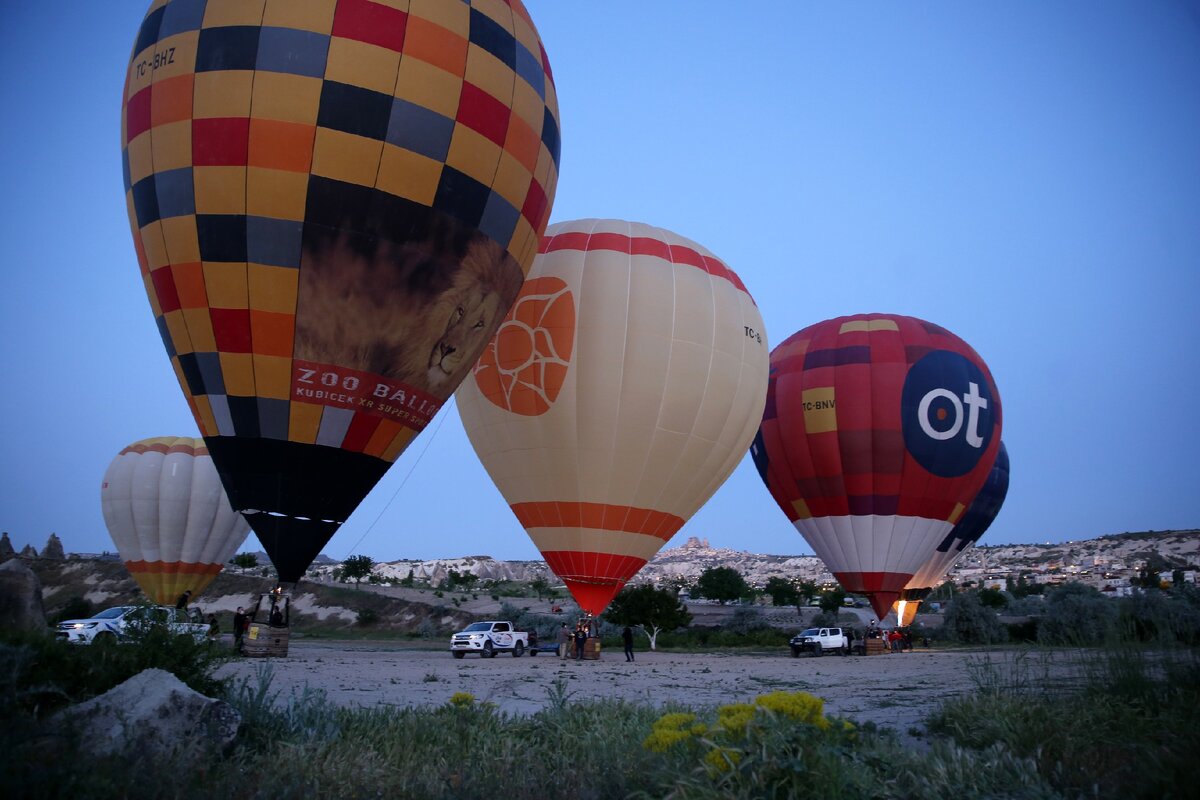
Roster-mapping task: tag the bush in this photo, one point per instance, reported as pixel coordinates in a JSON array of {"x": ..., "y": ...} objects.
[
  {"x": 75, "y": 608},
  {"x": 1076, "y": 614},
  {"x": 1127, "y": 732},
  {"x": 969, "y": 622},
  {"x": 367, "y": 616}
]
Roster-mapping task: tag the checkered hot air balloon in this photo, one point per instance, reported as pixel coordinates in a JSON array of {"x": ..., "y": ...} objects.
[
  {"x": 619, "y": 393},
  {"x": 878, "y": 432},
  {"x": 169, "y": 517},
  {"x": 333, "y": 204}
]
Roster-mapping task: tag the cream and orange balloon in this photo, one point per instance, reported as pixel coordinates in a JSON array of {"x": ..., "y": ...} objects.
[
  {"x": 617, "y": 396},
  {"x": 169, "y": 517}
]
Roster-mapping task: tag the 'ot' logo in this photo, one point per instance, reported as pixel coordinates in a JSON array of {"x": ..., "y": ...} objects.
[{"x": 949, "y": 413}]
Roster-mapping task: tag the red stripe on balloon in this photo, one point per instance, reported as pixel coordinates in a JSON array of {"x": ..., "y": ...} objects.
[
  {"x": 173, "y": 567},
  {"x": 640, "y": 245},
  {"x": 597, "y": 516}
]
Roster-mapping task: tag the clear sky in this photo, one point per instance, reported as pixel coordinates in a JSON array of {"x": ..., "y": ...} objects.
[{"x": 1025, "y": 174}]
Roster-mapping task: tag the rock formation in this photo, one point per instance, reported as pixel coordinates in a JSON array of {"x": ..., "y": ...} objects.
[
  {"x": 153, "y": 713},
  {"x": 6, "y": 548},
  {"x": 20, "y": 598},
  {"x": 53, "y": 548}
]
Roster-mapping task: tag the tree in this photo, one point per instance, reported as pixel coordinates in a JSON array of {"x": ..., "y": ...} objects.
[
  {"x": 993, "y": 598},
  {"x": 782, "y": 592},
  {"x": 540, "y": 586},
  {"x": 970, "y": 622},
  {"x": 245, "y": 561},
  {"x": 408, "y": 579},
  {"x": 653, "y": 610},
  {"x": 356, "y": 568},
  {"x": 722, "y": 584},
  {"x": 806, "y": 590},
  {"x": 832, "y": 600},
  {"x": 1076, "y": 614}
]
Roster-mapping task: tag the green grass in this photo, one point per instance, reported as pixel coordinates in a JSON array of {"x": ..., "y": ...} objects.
[{"x": 1123, "y": 725}]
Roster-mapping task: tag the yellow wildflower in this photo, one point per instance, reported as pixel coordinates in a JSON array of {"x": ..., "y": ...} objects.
[
  {"x": 662, "y": 739},
  {"x": 799, "y": 706},
  {"x": 735, "y": 717},
  {"x": 722, "y": 759},
  {"x": 673, "y": 721},
  {"x": 462, "y": 699}
]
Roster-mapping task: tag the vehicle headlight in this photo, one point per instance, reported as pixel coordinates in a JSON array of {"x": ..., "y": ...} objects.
[{"x": 476, "y": 635}]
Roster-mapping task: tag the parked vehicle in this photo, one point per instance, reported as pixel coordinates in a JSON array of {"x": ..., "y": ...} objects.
[
  {"x": 816, "y": 641},
  {"x": 121, "y": 622},
  {"x": 489, "y": 638}
]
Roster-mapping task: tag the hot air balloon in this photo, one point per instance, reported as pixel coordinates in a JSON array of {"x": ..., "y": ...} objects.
[
  {"x": 973, "y": 524},
  {"x": 333, "y": 204},
  {"x": 617, "y": 396},
  {"x": 169, "y": 517},
  {"x": 878, "y": 432}
]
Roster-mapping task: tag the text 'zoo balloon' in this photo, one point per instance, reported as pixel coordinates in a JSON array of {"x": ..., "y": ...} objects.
[{"x": 333, "y": 205}]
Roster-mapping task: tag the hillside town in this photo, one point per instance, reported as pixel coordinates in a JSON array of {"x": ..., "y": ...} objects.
[{"x": 1113, "y": 563}]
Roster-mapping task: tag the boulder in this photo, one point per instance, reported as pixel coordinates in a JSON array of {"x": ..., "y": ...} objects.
[
  {"x": 155, "y": 714},
  {"x": 6, "y": 548},
  {"x": 20, "y": 598}
]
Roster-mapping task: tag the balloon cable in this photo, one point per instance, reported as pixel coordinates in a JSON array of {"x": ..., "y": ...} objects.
[{"x": 428, "y": 441}]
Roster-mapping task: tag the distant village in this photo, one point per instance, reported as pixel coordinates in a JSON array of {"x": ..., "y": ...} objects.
[{"x": 1114, "y": 564}]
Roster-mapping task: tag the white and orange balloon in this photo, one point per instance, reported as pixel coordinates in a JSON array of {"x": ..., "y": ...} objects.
[
  {"x": 619, "y": 393},
  {"x": 169, "y": 517}
]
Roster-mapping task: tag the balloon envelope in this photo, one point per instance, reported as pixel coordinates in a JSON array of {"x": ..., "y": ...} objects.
[
  {"x": 333, "y": 205},
  {"x": 617, "y": 396},
  {"x": 878, "y": 432},
  {"x": 169, "y": 517}
]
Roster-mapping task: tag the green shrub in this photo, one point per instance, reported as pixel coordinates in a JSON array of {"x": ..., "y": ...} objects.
[{"x": 1127, "y": 731}]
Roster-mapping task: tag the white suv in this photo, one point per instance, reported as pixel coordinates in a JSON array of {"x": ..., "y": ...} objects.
[
  {"x": 118, "y": 623},
  {"x": 820, "y": 640}
]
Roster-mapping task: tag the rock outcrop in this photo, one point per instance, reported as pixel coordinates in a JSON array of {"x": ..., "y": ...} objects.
[
  {"x": 20, "y": 598},
  {"x": 54, "y": 548},
  {"x": 154, "y": 713},
  {"x": 6, "y": 548}
]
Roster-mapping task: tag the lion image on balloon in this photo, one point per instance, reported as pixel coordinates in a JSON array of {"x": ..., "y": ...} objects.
[{"x": 417, "y": 312}]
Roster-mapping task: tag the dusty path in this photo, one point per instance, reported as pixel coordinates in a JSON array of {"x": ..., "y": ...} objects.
[{"x": 896, "y": 690}]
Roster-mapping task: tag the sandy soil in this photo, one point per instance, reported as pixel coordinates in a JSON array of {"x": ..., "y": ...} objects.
[{"x": 894, "y": 690}]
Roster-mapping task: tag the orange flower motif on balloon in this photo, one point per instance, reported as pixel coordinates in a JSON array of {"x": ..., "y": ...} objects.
[{"x": 524, "y": 366}]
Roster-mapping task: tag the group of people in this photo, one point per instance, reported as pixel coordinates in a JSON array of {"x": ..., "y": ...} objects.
[
  {"x": 241, "y": 620},
  {"x": 896, "y": 640},
  {"x": 575, "y": 641}
]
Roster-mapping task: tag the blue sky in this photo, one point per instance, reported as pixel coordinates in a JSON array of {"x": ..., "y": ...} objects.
[{"x": 1025, "y": 174}]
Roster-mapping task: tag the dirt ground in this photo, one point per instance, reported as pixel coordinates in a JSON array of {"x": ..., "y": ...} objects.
[{"x": 894, "y": 690}]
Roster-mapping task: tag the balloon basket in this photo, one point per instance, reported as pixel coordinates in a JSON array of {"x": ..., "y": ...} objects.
[
  {"x": 591, "y": 649},
  {"x": 265, "y": 641},
  {"x": 874, "y": 647}
]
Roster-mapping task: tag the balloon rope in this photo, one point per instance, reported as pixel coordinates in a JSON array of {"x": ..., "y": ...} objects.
[{"x": 428, "y": 441}]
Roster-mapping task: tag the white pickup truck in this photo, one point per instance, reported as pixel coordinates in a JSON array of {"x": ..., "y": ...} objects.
[
  {"x": 119, "y": 623},
  {"x": 820, "y": 640},
  {"x": 488, "y": 639}
]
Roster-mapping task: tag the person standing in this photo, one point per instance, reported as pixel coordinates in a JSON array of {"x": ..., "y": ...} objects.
[
  {"x": 239, "y": 628},
  {"x": 183, "y": 600},
  {"x": 627, "y": 638},
  {"x": 580, "y": 640},
  {"x": 563, "y": 641}
]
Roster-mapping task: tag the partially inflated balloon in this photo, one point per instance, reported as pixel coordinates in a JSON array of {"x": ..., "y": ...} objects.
[
  {"x": 333, "y": 205},
  {"x": 169, "y": 517},
  {"x": 878, "y": 432},
  {"x": 619, "y": 393},
  {"x": 974, "y": 523}
]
